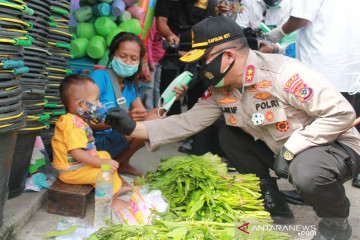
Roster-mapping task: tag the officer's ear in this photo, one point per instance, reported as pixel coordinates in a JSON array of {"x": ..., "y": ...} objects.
[{"x": 229, "y": 55}]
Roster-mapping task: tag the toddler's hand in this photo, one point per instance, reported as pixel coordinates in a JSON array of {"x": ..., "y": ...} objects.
[{"x": 113, "y": 164}]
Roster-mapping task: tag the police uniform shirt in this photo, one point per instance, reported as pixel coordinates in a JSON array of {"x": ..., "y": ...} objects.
[
  {"x": 183, "y": 14},
  {"x": 282, "y": 102}
]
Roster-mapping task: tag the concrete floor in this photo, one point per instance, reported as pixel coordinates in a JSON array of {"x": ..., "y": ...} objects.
[{"x": 42, "y": 222}]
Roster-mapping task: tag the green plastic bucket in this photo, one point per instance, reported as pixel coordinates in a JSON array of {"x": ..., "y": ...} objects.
[{"x": 96, "y": 47}]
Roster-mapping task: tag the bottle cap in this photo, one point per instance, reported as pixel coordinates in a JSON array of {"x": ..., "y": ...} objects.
[{"x": 105, "y": 167}]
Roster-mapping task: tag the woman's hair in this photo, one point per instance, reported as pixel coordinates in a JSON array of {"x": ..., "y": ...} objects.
[{"x": 115, "y": 44}]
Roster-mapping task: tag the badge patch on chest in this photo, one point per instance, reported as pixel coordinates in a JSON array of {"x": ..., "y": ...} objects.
[
  {"x": 257, "y": 118},
  {"x": 227, "y": 91},
  {"x": 250, "y": 72},
  {"x": 269, "y": 116},
  {"x": 253, "y": 88},
  {"x": 262, "y": 95},
  {"x": 232, "y": 120},
  {"x": 282, "y": 126},
  {"x": 227, "y": 100},
  {"x": 264, "y": 84}
]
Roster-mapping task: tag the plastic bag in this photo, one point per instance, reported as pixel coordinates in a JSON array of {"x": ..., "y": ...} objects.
[{"x": 142, "y": 205}]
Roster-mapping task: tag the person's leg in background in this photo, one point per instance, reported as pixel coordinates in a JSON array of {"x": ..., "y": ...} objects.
[
  {"x": 250, "y": 156},
  {"x": 147, "y": 94},
  {"x": 196, "y": 90},
  {"x": 157, "y": 78},
  {"x": 171, "y": 68}
]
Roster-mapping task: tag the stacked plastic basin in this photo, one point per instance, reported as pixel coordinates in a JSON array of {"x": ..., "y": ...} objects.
[
  {"x": 13, "y": 38},
  {"x": 33, "y": 86},
  {"x": 59, "y": 47}
]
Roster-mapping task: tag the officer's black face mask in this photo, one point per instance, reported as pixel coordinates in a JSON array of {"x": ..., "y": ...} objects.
[{"x": 211, "y": 72}]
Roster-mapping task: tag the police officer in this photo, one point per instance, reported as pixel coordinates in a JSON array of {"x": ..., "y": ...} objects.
[
  {"x": 273, "y": 105},
  {"x": 174, "y": 19}
]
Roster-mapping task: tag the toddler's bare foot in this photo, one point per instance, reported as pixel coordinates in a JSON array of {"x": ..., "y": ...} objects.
[
  {"x": 119, "y": 204},
  {"x": 127, "y": 168},
  {"x": 125, "y": 187}
]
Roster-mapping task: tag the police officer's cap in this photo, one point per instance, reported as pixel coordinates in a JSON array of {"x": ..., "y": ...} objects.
[{"x": 210, "y": 32}]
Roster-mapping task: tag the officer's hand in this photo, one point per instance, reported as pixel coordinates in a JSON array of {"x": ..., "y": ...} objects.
[
  {"x": 120, "y": 120},
  {"x": 223, "y": 8},
  {"x": 180, "y": 91},
  {"x": 275, "y": 35},
  {"x": 281, "y": 165},
  {"x": 173, "y": 39}
]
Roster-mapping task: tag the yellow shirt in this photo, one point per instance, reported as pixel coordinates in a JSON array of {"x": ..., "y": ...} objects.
[{"x": 71, "y": 132}]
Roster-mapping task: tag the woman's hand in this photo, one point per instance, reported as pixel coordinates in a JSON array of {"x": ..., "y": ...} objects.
[
  {"x": 138, "y": 114},
  {"x": 180, "y": 91}
]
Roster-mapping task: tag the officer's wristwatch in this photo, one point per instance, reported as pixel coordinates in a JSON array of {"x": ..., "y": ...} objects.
[{"x": 287, "y": 154}]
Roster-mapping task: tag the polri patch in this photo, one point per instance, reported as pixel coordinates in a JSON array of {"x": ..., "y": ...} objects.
[{"x": 267, "y": 104}]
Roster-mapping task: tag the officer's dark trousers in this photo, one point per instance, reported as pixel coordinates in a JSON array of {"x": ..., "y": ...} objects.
[{"x": 317, "y": 173}]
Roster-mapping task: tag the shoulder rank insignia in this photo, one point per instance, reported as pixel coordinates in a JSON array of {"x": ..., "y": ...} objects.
[
  {"x": 232, "y": 120},
  {"x": 282, "y": 126},
  {"x": 262, "y": 95},
  {"x": 249, "y": 73},
  {"x": 264, "y": 84},
  {"x": 227, "y": 100}
]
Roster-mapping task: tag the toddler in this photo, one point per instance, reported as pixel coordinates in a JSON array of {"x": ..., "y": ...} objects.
[{"x": 74, "y": 152}]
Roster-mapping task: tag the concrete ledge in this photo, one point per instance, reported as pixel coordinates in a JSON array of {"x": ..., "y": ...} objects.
[{"x": 17, "y": 212}]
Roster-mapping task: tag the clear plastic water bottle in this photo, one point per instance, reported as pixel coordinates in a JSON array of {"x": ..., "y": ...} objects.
[{"x": 103, "y": 195}]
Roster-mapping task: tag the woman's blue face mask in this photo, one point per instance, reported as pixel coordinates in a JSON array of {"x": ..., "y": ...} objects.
[{"x": 122, "y": 69}]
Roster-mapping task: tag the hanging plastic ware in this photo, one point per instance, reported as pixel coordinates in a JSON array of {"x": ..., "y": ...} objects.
[{"x": 104, "y": 26}]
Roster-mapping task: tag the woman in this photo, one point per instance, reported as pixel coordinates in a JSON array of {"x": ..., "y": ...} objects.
[{"x": 126, "y": 53}]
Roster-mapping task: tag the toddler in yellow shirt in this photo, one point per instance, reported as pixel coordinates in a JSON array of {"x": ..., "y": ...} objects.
[{"x": 74, "y": 152}]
